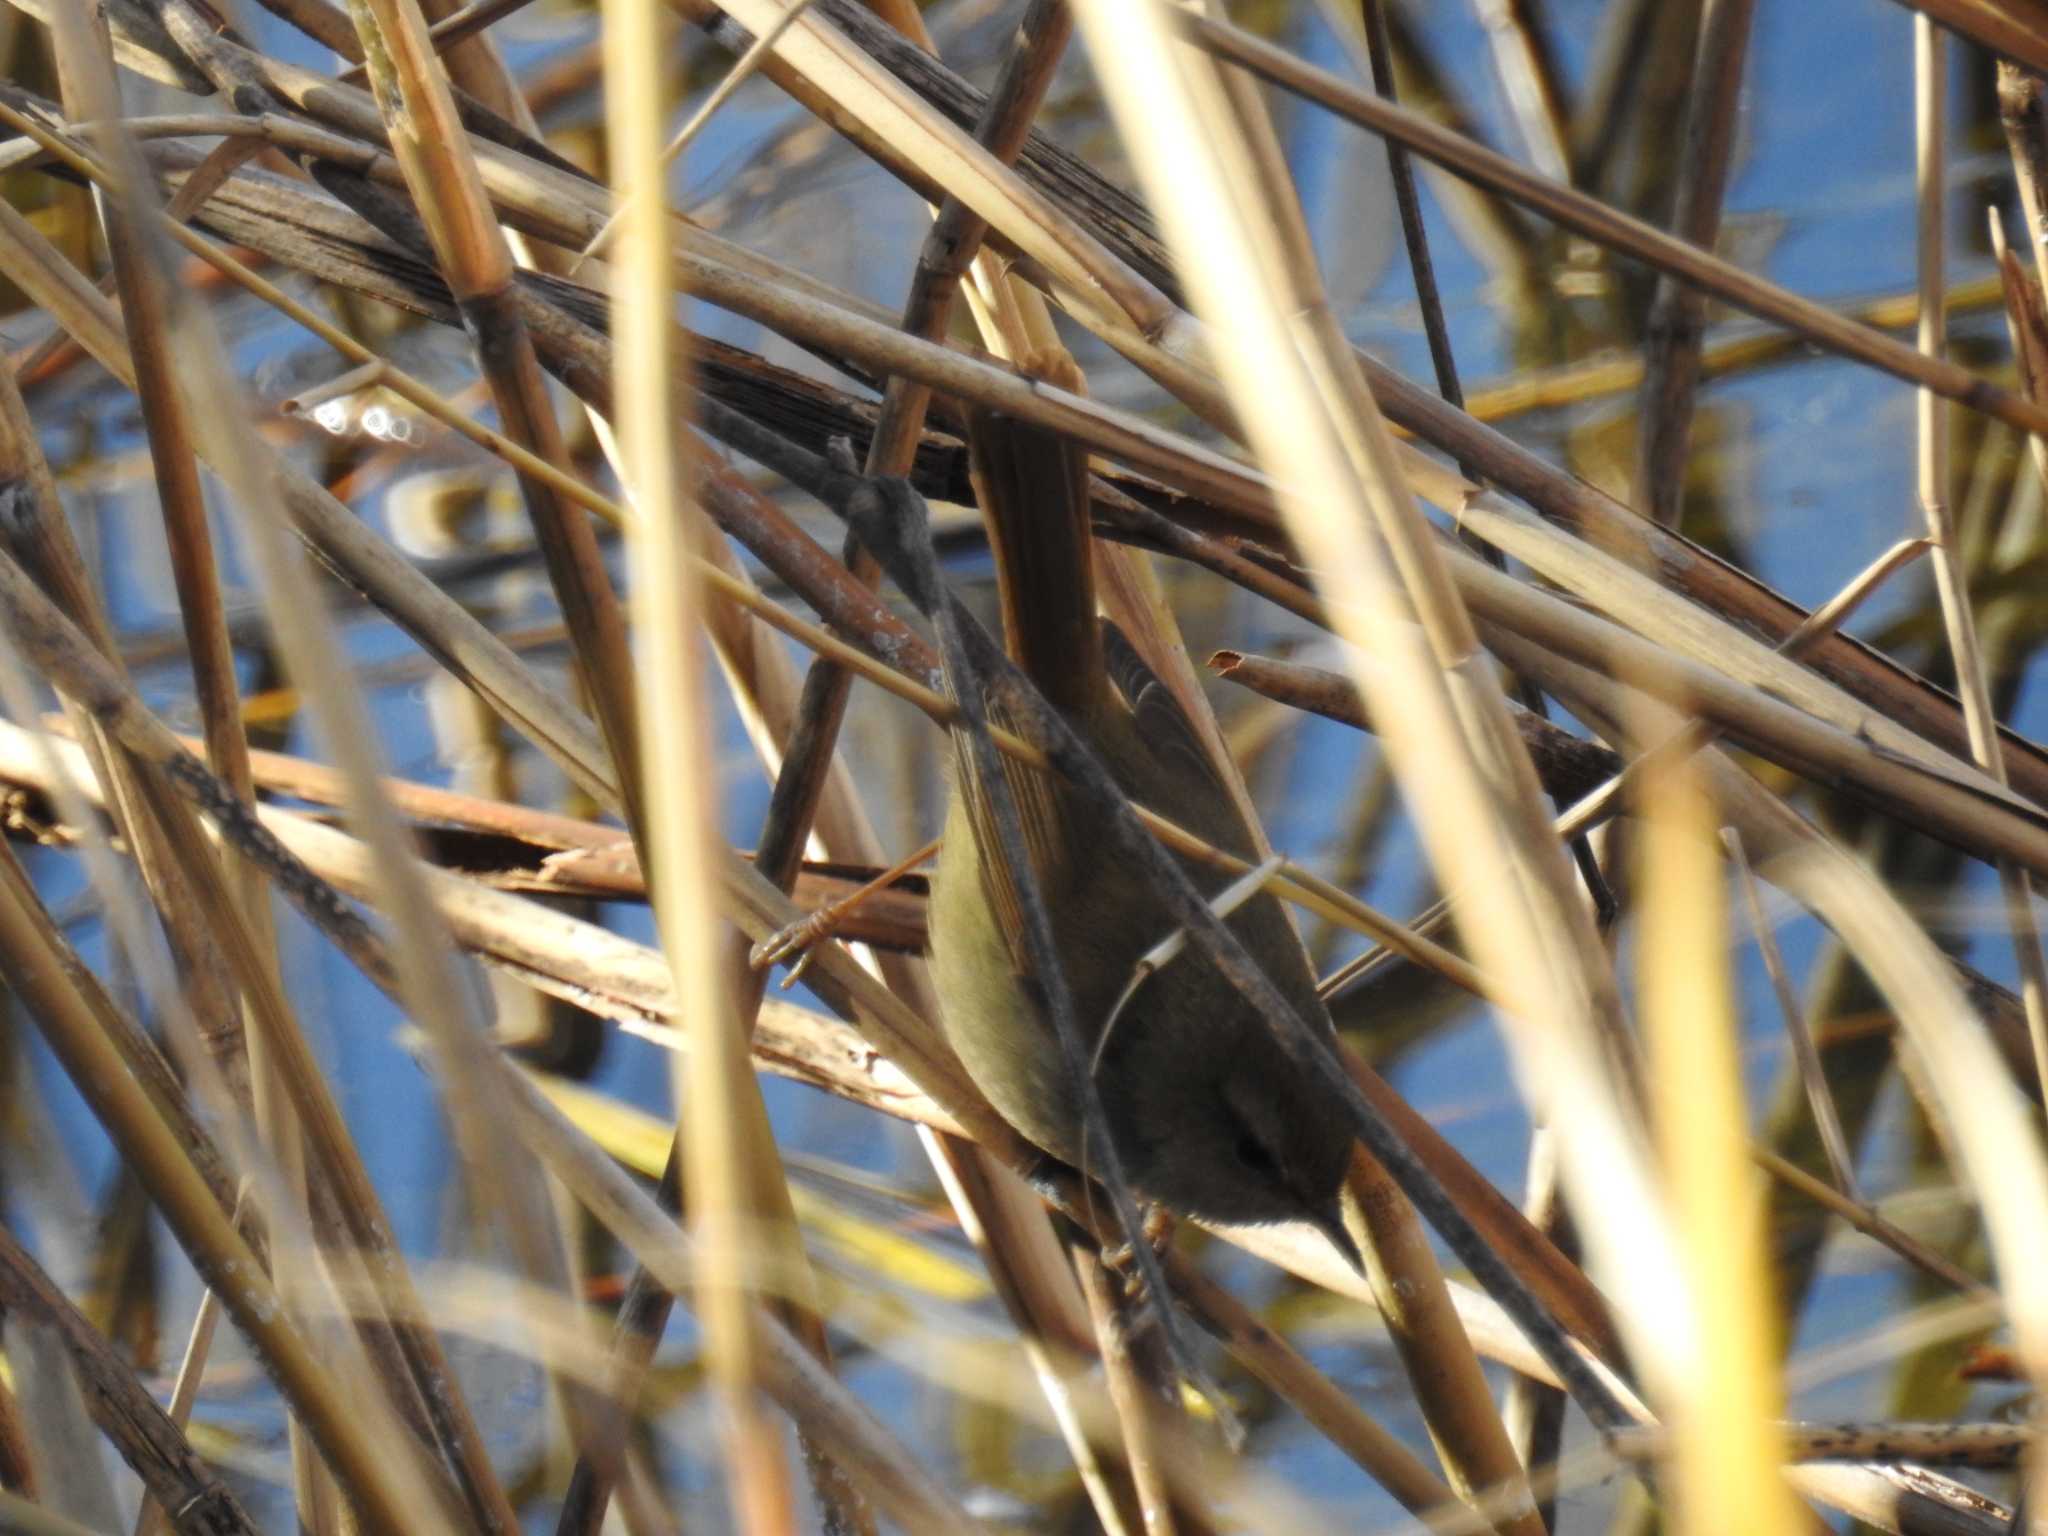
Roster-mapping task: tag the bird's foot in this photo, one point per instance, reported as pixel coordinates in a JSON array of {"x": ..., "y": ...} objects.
[{"x": 1156, "y": 1231}]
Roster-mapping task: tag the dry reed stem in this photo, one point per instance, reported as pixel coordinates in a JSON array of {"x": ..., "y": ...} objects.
[
  {"x": 1722, "y": 1399},
  {"x": 1443, "y": 1368},
  {"x": 1805, "y": 1054},
  {"x": 740, "y": 1215},
  {"x": 140, "y": 274},
  {"x": 2017, "y": 29},
  {"x": 1618, "y": 372},
  {"x": 150, "y": 1518},
  {"x": 1865, "y": 1219},
  {"x": 2026, "y": 328},
  {"x": 447, "y": 189},
  {"x": 1134, "y": 1395},
  {"x": 146, "y": 1437},
  {"x": 1671, "y": 350}
]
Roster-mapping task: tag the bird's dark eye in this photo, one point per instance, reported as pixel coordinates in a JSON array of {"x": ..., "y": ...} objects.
[{"x": 1253, "y": 1154}]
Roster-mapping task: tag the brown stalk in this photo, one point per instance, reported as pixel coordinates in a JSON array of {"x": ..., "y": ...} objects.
[
  {"x": 1568, "y": 766},
  {"x": 1805, "y": 1054},
  {"x": 1866, "y": 1219},
  {"x": 1671, "y": 347},
  {"x": 1442, "y": 1366},
  {"x": 40, "y": 537},
  {"x": 1744, "y": 348},
  {"x": 1435, "y": 328},
  {"x": 1698, "y": 685},
  {"x": 150, "y": 1519},
  {"x": 455, "y": 25},
  {"x": 248, "y": 80},
  {"x": 1495, "y": 232},
  {"x": 433, "y": 150},
  {"x": 2018, "y": 29},
  {"x": 2026, "y": 323},
  {"x": 1401, "y": 169},
  {"x": 17, "y": 1464},
  {"x": 1269, "y": 1357},
  {"x": 2021, "y": 112},
  {"x": 1137, "y": 1380},
  {"x": 142, "y": 1432},
  {"x": 139, "y": 261}
]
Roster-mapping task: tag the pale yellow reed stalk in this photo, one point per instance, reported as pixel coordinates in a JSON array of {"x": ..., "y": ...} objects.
[
  {"x": 723, "y": 1121},
  {"x": 1725, "y": 1451}
]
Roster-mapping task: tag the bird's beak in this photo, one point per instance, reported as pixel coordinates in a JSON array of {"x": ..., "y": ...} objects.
[{"x": 1329, "y": 1220}]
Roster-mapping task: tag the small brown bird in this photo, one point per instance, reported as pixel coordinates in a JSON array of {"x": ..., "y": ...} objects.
[{"x": 1210, "y": 1117}]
